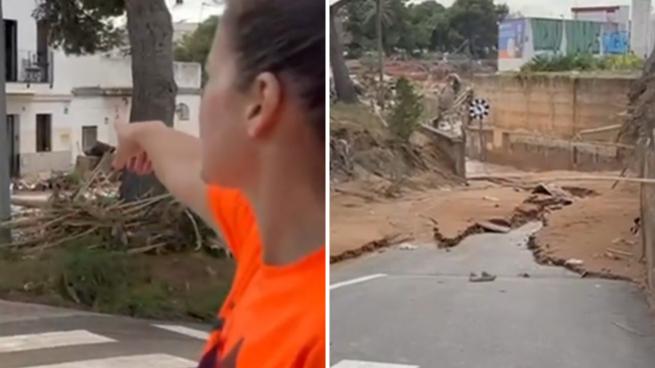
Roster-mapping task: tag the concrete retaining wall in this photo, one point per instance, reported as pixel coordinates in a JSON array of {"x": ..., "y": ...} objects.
[
  {"x": 452, "y": 147},
  {"x": 535, "y": 152},
  {"x": 556, "y": 105}
]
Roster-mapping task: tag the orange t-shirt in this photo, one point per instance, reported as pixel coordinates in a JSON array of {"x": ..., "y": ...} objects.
[{"x": 273, "y": 317}]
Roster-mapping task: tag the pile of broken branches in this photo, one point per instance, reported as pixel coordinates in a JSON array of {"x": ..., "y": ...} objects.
[{"x": 93, "y": 216}]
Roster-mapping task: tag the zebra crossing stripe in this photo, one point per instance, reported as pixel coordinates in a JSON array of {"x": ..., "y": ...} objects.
[
  {"x": 135, "y": 361},
  {"x": 362, "y": 364},
  {"x": 201, "y": 335},
  {"x": 15, "y": 343}
]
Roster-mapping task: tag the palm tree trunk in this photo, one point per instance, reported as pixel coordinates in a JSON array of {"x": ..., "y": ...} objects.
[
  {"x": 342, "y": 82},
  {"x": 378, "y": 22}
]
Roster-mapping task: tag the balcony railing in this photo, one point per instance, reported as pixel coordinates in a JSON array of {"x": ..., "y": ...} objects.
[{"x": 28, "y": 66}]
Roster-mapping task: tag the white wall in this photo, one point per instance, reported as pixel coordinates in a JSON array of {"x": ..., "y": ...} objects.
[
  {"x": 189, "y": 126},
  {"x": 97, "y": 111},
  {"x": 28, "y": 108},
  {"x": 620, "y": 16},
  {"x": 104, "y": 111},
  {"x": 515, "y": 64},
  {"x": 640, "y": 32},
  {"x": 594, "y": 16},
  {"x": 187, "y": 75},
  {"x": 107, "y": 71}
]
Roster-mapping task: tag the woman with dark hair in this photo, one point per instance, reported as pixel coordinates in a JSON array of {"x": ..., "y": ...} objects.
[{"x": 258, "y": 172}]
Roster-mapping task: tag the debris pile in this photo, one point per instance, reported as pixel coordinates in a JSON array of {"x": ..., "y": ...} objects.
[
  {"x": 60, "y": 181},
  {"x": 453, "y": 105},
  {"x": 544, "y": 199},
  {"x": 90, "y": 213}
]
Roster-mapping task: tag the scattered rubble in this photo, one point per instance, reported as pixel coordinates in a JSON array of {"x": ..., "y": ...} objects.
[
  {"x": 495, "y": 226},
  {"x": 573, "y": 262},
  {"x": 407, "y": 246},
  {"x": 483, "y": 277}
]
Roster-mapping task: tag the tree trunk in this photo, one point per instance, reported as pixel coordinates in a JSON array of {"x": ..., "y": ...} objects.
[
  {"x": 5, "y": 195},
  {"x": 378, "y": 22},
  {"x": 150, "y": 29},
  {"x": 342, "y": 82}
]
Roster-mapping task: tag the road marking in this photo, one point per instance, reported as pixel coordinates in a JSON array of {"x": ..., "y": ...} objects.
[
  {"x": 47, "y": 340},
  {"x": 361, "y": 364},
  {"x": 357, "y": 280},
  {"x": 136, "y": 361},
  {"x": 198, "y": 334}
]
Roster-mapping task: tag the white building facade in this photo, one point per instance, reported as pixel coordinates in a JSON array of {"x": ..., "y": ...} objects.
[
  {"x": 58, "y": 105},
  {"x": 619, "y": 14},
  {"x": 640, "y": 35}
]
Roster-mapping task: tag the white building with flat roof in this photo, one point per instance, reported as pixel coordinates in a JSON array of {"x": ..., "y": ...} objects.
[
  {"x": 619, "y": 14},
  {"x": 57, "y": 105}
]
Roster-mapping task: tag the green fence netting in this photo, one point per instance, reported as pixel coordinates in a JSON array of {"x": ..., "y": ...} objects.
[
  {"x": 582, "y": 37},
  {"x": 547, "y": 34}
]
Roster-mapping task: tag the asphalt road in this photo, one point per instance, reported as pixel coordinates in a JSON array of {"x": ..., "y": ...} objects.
[
  {"x": 33, "y": 336},
  {"x": 417, "y": 308}
]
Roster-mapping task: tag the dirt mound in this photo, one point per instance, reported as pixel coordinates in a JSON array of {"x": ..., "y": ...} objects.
[
  {"x": 361, "y": 148},
  {"x": 640, "y": 117}
]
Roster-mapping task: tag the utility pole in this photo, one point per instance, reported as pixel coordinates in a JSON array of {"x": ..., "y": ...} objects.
[{"x": 5, "y": 196}]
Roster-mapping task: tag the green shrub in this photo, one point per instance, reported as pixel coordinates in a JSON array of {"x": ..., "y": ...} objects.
[
  {"x": 622, "y": 62},
  {"x": 582, "y": 62},
  {"x": 407, "y": 108}
]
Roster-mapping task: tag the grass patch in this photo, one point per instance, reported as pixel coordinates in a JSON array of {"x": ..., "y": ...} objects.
[
  {"x": 186, "y": 286},
  {"x": 355, "y": 117}
]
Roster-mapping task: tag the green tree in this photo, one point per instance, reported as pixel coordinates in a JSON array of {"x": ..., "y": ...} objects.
[
  {"x": 476, "y": 21},
  {"x": 426, "y": 18},
  {"x": 343, "y": 85},
  {"x": 353, "y": 16},
  {"x": 82, "y": 27},
  {"x": 502, "y": 11},
  {"x": 194, "y": 47},
  {"x": 87, "y": 26},
  {"x": 360, "y": 23},
  {"x": 407, "y": 109},
  {"x": 412, "y": 27}
]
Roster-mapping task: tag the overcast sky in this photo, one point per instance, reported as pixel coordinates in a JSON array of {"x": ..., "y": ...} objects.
[{"x": 549, "y": 8}]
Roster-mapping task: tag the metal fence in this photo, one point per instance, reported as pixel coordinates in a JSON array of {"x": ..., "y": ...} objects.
[{"x": 28, "y": 66}]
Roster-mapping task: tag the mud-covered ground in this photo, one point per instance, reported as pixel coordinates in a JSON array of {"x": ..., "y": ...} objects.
[{"x": 595, "y": 231}]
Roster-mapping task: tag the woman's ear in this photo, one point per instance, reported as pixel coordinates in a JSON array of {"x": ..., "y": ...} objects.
[{"x": 266, "y": 99}]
